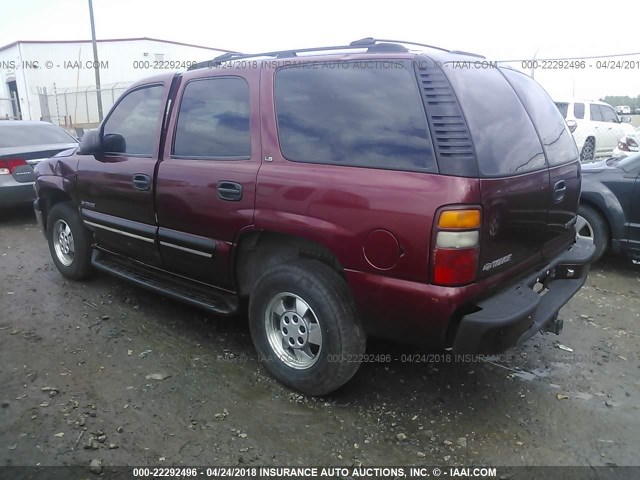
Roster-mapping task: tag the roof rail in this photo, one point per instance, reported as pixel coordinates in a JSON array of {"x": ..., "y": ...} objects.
[
  {"x": 369, "y": 41},
  {"x": 373, "y": 45},
  {"x": 225, "y": 57}
]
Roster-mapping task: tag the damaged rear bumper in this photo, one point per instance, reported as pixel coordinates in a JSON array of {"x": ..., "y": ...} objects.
[{"x": 514, "y": 315}]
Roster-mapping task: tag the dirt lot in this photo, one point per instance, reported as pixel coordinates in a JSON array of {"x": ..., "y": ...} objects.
[{"x": 75, "y": 360}]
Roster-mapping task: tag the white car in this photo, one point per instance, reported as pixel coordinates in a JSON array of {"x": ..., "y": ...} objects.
[
  {"x": 628, "y": 145},
  {"x": 623, "y": 110},
  {"x": 595, "y": 125}
]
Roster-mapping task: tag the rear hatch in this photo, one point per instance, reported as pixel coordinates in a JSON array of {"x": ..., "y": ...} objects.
[{"x": 527, "y": 164}]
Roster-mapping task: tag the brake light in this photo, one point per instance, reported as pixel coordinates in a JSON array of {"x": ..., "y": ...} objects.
[
  {"x": 457, "y": 241},
  {"x": 8, "y": 166},
  {"x": 627, "y": 143}
]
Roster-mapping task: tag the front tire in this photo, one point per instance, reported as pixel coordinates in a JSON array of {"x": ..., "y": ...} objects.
[
  {"x": 69, "y": 242},
  {"x": 592, "y": 226},
  {"x": 305, "y": 327}
]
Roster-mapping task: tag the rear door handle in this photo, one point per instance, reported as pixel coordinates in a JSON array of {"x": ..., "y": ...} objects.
[
  {"x": 559, "y": 190},
  {"x": 141, "y": 182},
  {"x": 230, "y": 191}
]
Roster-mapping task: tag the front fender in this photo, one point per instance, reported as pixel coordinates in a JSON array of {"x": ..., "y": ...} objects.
[{"x": 600, "y": 197}]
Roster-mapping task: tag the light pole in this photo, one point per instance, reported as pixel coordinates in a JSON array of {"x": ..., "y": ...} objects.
[{"x": 96, "y": 65}]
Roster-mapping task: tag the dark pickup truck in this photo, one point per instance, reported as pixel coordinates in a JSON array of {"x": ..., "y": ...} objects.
[{"x": 363, "y": 189}]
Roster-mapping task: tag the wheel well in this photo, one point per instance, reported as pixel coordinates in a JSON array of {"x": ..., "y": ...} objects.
[
  {"x": 593, "y": 206},
  {"x": 48, "y": 198},
  {"x": 260, "y": 251}
]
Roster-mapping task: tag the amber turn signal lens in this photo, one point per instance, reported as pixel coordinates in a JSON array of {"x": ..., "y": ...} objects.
[{"x": 459, "y": 219}]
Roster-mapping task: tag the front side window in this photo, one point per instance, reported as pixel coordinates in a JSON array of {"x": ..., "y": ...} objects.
[
  {"x": 578, "y": 110},
  {"x": 136, "y": 118},
  {"x": 608, "y": 115},
  {"x": 594, "y": 110},
  {"x": 213, "y": 121},
  {"x": 353, "y": 113}
]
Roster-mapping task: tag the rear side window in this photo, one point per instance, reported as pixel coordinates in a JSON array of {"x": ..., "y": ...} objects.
[
  {"x": 563, "y": 108},
  {"x": 594, "y": 110},
  {"x": 213, "y": 121},
  {"x": 503, "y": 136},
  {"x": 557, "y": 140},
  {"x": 136, "y": 118},
  {"x": 353, "y": 113},
  {"x": 578, "y": 110}
]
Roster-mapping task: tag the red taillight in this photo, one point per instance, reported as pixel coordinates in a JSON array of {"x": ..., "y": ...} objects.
[
  {"x": 456, "y": 243},
  {"x": 455, "y": 266},
  {"x": 627, "y": 143},
  {"x": 8, "y": 166}
]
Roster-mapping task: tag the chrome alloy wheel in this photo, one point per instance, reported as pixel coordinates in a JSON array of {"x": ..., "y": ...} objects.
[
  {"x": 584, "y": 228},
  {"x": 293, "y": 331},
  {"x": 63, "y": 242}
]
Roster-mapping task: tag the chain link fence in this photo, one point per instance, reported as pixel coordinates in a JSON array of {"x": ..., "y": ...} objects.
[{"x": 74, "y": 108}]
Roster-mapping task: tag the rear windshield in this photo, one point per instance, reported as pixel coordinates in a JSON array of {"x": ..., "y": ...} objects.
[
  {"x": 563, "y": 108},
  {"x": 355, "y": 113},
  {"x": 27, "y": 135},
  {"x": 504, "y": 138},
  {"x": 558, "y": 143}
]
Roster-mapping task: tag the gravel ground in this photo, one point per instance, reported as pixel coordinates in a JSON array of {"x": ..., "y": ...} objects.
[{"x": 104, "y": 370}]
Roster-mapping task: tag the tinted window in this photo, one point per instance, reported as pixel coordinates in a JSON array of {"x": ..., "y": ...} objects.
[
  {"x": 503, "y": 136},
  {"x": 608, "y": 115},
  {"x": 563, "y": 108},
  {"x": 136, "y": 118},
  {"x": 22, "y": 135},
  {"x": 354, "y": 114},
  {"x": 596, "y": 116},
  {"x": 214, "y": 119},
  {"x": 557, "y": 140},
  {"x": 578, "y": 110}
]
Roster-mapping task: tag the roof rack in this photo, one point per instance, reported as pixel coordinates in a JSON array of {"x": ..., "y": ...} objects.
[
  {"x": 225, "y": 57},
  {"x": 373, "y": 45},
  {"x": 363, "y": 42}
]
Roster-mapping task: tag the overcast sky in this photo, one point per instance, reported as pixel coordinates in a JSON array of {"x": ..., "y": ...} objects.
[{"x": 498, "y": 30}]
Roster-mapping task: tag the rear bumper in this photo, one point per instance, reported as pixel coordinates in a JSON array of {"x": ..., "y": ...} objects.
[
  {"x": 14, "y": 193},
  {"x": 515, "y": 314}
]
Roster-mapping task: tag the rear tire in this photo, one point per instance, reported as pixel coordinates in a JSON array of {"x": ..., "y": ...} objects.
[
  {"x": 69, "y": 242},
  {"x": 588, "y": 153},
  {"x": 590, "y": 224},
  {"x": 305, "y": 326}
]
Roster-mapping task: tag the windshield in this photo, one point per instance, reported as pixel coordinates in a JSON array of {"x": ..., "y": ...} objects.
[{"x": 24, "y": 135}]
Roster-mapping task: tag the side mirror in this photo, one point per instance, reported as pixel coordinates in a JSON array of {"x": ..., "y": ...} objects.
[
  {"x": 114, "y": 143},
  {"x": 90, "y": 143},
  {"x": 625, "y": 119},
  {"x": 572, "y": 124}
]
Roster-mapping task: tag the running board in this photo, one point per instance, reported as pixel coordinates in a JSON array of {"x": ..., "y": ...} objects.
[{"x": 172, "y": 286}]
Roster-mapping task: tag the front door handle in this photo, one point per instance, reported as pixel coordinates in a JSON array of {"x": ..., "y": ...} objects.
[
  {"x": 559, "y": 190},
  {"x": 141, "y": 182},
  {"x": 230, "y": 191}
]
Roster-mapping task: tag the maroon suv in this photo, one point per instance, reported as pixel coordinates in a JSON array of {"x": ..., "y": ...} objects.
[{"x": 366, "y": 189}]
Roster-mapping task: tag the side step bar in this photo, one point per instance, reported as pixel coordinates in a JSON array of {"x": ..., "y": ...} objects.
[{"x": 172, "y": 286}]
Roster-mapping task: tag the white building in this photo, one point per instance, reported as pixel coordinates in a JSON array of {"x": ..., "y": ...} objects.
[{"x": 55, "y": 80}]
